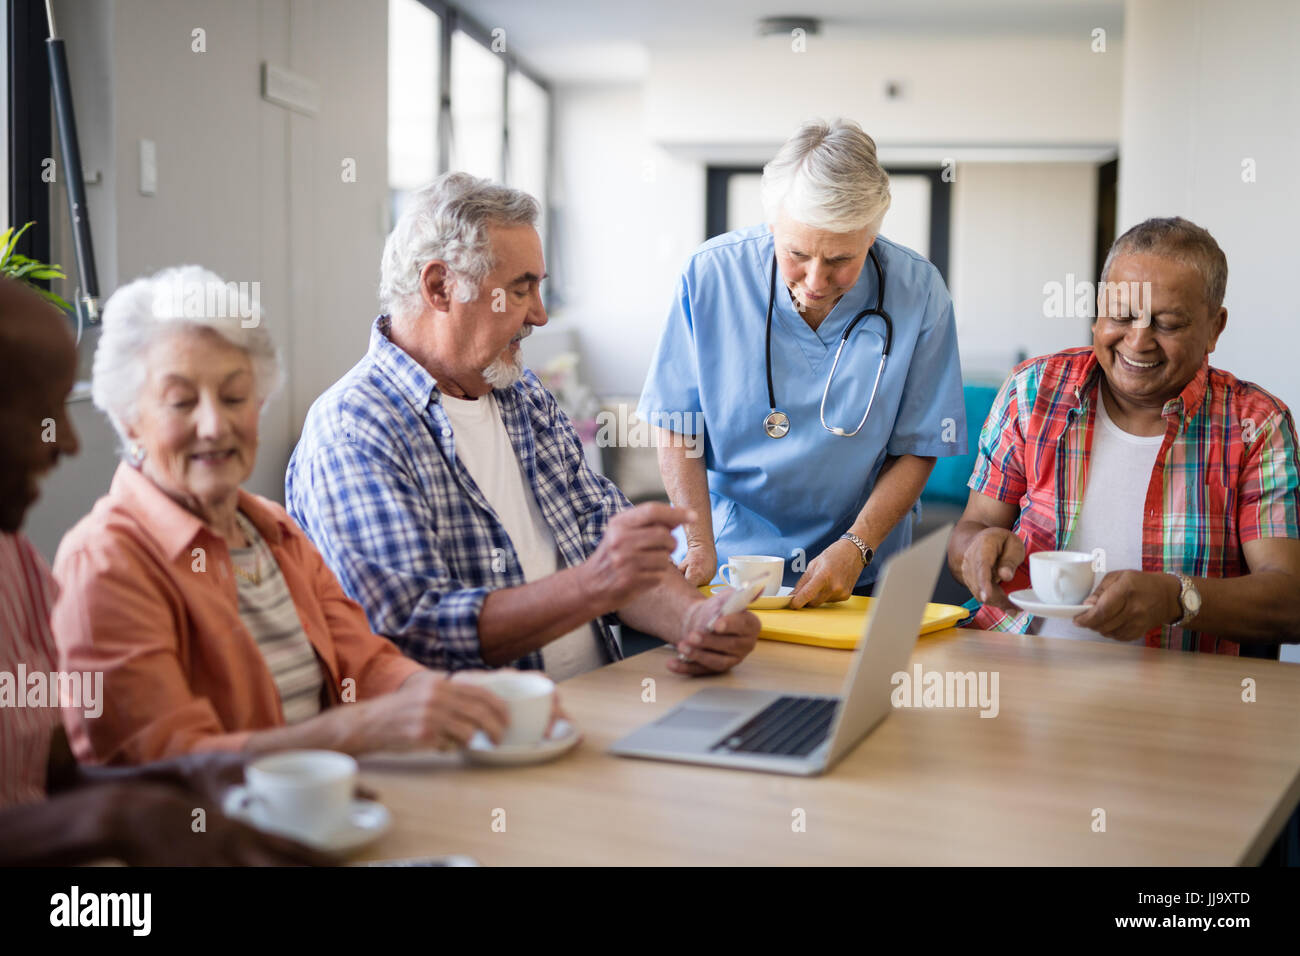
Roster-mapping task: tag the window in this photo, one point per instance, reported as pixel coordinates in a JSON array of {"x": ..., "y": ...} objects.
[
  {"x": 528, "y": 146},
  {"x": 448, "y": 91},
  {"x": 414, "y": 61},
  {"x": 478, "y": 86}
]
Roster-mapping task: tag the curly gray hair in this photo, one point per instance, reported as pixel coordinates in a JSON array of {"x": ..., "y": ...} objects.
[
  {"x": 448, "y": 220},
  {"x": 178, "y": 298}
]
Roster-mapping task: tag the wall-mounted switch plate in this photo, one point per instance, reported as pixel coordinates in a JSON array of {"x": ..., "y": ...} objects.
[{"x": 148, "y": 168}]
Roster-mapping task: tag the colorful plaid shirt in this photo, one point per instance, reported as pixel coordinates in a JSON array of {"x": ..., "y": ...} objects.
[
  {"x": 1226, "y": 473},
  {"x": 376, "y": 485}
]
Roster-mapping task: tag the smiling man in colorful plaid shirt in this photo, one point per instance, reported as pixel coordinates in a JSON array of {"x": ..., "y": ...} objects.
[
  {"x": 1186, "y": 476},
  {"x": 449, "y": 492}
]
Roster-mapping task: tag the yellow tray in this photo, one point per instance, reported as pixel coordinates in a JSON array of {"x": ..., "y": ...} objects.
[{"x": 840, "y": 625}]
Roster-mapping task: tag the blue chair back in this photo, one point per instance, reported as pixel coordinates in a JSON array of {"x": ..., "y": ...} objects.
[{"x": 948, "y": 480}]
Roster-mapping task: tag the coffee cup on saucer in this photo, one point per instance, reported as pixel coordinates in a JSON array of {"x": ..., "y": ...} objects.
[
  {"x": 529, "y": 696},
  {"x": 306, "y": 794},
  {"x": 752, "y": 568},
  {"x": 1065, "y": 577}
]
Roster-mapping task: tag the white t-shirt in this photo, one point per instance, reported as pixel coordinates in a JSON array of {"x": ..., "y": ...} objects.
[
  {"x": 1110, "y": 517},
  {"x": 484, "y": 448}
]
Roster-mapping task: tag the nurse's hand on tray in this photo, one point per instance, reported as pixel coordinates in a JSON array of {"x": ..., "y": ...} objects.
[
  {"x": 700, "y": 564},
  {"x": 712, "y": 644},
  {"x": 990, "y": 561},
  {"x": 830, "y": 577}
]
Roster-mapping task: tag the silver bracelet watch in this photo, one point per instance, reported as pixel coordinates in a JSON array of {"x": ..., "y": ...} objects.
[{"x": 867, "y": 553}]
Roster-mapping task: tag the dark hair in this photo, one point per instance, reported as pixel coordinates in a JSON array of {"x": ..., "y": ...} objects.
[{"x": 1183, "y": 241}]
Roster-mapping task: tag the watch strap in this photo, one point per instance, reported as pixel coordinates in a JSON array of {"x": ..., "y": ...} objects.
[{"x": 867, "y": 552}]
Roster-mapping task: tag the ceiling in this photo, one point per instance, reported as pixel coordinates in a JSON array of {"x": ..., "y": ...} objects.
[{"x": 612, "y": 40}]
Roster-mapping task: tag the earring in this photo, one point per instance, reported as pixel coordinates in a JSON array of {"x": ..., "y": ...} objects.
[{"x": 136, "y": 452}]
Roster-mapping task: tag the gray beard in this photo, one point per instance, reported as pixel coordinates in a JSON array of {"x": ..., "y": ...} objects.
[{"x": 503, "y": 373}]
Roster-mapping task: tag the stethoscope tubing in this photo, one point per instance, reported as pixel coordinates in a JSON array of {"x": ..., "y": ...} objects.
[{"x": 879, "y": 310}]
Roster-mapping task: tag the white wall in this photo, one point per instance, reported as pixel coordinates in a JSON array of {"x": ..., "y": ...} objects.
[
  {"x": 1015, "y": 227},
  {"x": 985, "y": 89},
  {"x": 245, "y": 187},
  {"x": 628, "y": 213},
  {"x": 1206, "y": 86}
]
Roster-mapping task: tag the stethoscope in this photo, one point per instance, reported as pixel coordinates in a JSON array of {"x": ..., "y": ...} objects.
[{"x": 777, "y": 423}]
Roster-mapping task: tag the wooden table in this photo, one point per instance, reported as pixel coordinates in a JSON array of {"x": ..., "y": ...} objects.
[{"x": 1186, "y": 772}]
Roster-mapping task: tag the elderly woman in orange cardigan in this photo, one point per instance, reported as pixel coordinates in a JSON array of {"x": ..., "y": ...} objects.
[{"x": 215, "y": 621}]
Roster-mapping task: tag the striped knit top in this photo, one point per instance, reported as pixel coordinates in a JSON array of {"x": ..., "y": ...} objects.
[{"x": 267, "y": 610}]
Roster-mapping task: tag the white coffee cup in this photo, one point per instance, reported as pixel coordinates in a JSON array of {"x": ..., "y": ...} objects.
[
  {"x": 755, "y": 567},
  {"x": 529, "y": 696},
  {"x": 1065, "y": 577},
  {"x": 304, "y": 793}
]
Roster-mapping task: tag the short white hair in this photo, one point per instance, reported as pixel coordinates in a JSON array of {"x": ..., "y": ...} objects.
[
  {"x": 181, "y": 298},
  {"x": 448, "y": 220},
  {"x": 826, "y": 176}
]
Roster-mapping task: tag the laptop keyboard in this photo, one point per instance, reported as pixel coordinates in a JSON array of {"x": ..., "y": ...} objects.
[{"x": 789, "y": 726}]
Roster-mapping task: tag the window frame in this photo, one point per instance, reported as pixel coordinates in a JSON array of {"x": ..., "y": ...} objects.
[
  {"x": 456, "y": 20},
  {"x": 30, "y": 124}
]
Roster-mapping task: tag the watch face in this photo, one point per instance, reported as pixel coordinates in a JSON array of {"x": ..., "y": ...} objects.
[{"x": 1192, "y": 600}]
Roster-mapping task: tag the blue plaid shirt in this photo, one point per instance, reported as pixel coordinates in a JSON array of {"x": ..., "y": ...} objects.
[{"x": 376, "y": 485}]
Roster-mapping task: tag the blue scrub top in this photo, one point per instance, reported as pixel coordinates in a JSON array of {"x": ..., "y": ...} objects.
[{"x": 796, "y": 495}]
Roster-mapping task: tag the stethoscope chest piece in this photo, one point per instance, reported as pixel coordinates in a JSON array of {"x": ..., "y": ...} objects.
[{"x": 776, "y": 424}]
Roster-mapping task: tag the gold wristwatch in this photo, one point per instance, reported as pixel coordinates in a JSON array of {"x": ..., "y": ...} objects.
[{"x": 1189, "y": 599}]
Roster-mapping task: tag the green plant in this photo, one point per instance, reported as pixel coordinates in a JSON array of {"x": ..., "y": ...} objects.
[{"x": 27, "y": 270}]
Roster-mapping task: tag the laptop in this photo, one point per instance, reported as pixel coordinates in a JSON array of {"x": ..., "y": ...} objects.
[{"x": 805, "y": 734}]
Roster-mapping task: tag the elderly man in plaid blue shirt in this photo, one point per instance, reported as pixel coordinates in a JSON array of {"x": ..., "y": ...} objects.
[{"x": 449, "y": 492}]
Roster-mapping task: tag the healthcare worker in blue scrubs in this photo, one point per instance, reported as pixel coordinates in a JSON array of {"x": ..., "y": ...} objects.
[{"x": 819, "y": 469}]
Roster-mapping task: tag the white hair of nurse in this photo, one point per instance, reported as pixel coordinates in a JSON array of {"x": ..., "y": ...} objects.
[{"x": 826, "y": 176}]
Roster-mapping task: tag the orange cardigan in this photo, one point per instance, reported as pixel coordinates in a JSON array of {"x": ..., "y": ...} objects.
[{"x": 147, "y": 595}]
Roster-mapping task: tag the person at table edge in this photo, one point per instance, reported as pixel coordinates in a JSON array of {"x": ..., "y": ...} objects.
[
  {"x": 53, "y": 810},
  {"x": 831, "y": 504},
  {"x": 1203, "y": 555},
  {"x": 449, "y": 492}
]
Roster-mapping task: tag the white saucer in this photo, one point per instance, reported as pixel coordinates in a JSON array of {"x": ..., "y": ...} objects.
[
  {"x": 1028, "y": 600},
  {"x": 564, "y": 737},
  {"x": 367, "y": 821},
  {"x": 773, "y": 602}
]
